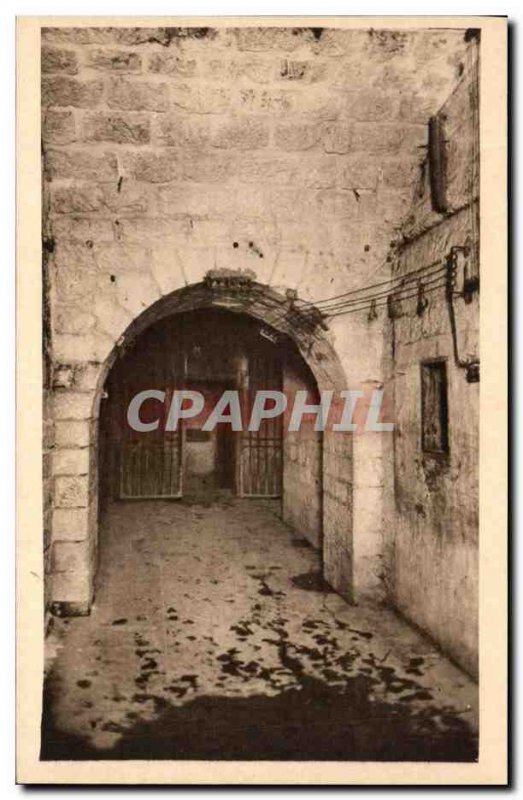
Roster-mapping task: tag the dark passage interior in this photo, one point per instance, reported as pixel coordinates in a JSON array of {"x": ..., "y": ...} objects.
[{"x": 210, "y": 351}]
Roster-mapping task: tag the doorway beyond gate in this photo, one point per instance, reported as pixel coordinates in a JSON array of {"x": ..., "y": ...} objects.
[{"x": 210, "y": 351}]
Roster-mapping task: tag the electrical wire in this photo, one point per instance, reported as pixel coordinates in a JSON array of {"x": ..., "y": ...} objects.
[
  {"x": 373, "y": 306},
  {"x": 417, "y": 281},
  {"x": 394, "y": 280},
  {"x": 410, "y": 287}
]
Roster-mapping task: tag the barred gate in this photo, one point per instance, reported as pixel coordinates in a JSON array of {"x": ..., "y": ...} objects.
[
  {"x": 261, "y": 452},
  {"x": 147, "y": 465},
  {"x": 150, "y": 465}
]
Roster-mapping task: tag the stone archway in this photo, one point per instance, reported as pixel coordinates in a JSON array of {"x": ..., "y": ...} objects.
[{"x": 75, "y": 512}]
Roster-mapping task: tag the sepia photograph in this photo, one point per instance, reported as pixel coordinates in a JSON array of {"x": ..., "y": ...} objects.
[{"x": 259, "y": 335}]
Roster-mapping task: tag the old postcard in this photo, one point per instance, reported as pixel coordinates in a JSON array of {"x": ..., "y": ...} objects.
[{"x": 262, "y": 379}]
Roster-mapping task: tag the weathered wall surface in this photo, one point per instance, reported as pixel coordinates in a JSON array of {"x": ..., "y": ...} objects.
[
  {"x": 302, "y": 463},
  {"x": 169, "y": 152},
  {"x": 436, "y": 526}
]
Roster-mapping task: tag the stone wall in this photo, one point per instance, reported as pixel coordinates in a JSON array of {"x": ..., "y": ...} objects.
[
  {"x": 435, "y": 573},
  {"x": 169, "y": 152},
  {"x": 302, "y": 463}
]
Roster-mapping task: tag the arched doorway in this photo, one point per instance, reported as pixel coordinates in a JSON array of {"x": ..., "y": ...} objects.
[
  {"x": 302, "y": 329},
  {"x": 313, "y": 364}
]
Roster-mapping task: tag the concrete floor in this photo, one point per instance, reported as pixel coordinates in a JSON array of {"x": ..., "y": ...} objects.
[{"x": 212, "y": 636}]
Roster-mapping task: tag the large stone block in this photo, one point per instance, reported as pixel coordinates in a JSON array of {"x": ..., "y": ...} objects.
[
  {"x": 134, "y": 95},
  {"x": 307, "y": 72},
  {"x": 196, "y": 261},
  {"x": 375, "y": 138},
  {"x": 72, "y": 319},
  {"x": 147, "y": 231},
  {"x": 58, "y": 127},
  {"x": 72, "y": 433},
  {"x": 173, "y": 64},
  {"x": 76, "y": 199},
  {"x": 298, "y": 135},
  {"x": 239, "y": 204},
  {"x": 393, "y": 204},
  {"x": 241, "y": 134},
  {"x": 111, "y": 318},
  {"x": 70, "y": 524},
  {"x": 372, "y": 106},
  {"x": 368, "y": 517},
  {"x": 254, "y": 100},
  {"x": 77, "y": 35},
  {"x": 196, "y": 200},
  {"x": 103, "y": 346},
  {"x": 290, "y": 268},
  {"x": 119, "y": 257},
  {"x": 176, "y": 164},
  {"x": 260, "y": 39},
  {"x": 172, "y": 36},
  {"x": 70, "y": 462},
  {"x": 71, "y": 593},
  {"x": 55, "y": 59},
  {"x": 74, "y": 274},
  {"x": 72, "y": 492},
  {"x": 401, "y": 172},
  {"x": 338, "y": 138},
  {"x": 288, "y": 204},
  {"x": 201, "y": 98},
  {"x": 82, "y": 165},
  {"x": 416, "y": 107},
  {"x": 123, "y": 197},
  {"x": 227, "y": 70},
  {"x": 208, "y": 167},
  {"x": 72, "y": 405},
  {"x": 126, "y": 128},
  {"x": 166, "y": 267},
  {"x": 269, "y": 168},
  {"x": 183, "y": 131},
  {"x": 337, "y": 549},
  {"x": 82, "y": 231},
  {"x": 443, "y": 48},
  {"x": 73, "y": 348},
  {"x": 385, "y": 44},
  {"x": 319, "y": 102},
  {"x": 63, "y": 376},
  {"x": 136, "y": 291},
  {"x": 258, "y": 245},
  {"x": 414, "y": 138},
  {"x": 108, "y": 60},
  {"x": 357, "y": 172},
  {"x": 86, "y": 377},
  {"x": 337, "y": 204},
  {"x": 153, "y": 167},
  {"x": 60, "y": 90}
]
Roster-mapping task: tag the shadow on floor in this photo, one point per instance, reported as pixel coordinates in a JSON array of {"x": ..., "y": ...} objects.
[{"x": 314, "y": 722}]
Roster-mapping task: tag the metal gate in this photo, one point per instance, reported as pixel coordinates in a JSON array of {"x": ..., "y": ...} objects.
[
  {"x": 147, "y": 465},
  {"x": 151, "y": 463},
  {"x": 260, "y": 457}
]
